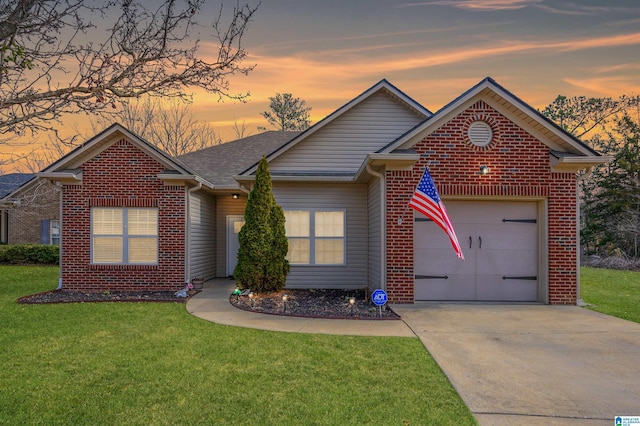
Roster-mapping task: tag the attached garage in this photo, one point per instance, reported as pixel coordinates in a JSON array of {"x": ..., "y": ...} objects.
[{"x": 501, "y": 244}]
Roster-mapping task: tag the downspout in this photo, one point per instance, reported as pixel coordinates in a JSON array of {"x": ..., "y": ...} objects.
[
  {"x": 383, "y": 227},
  {"x": 187, "y": 237},
  {"x": 59, "y": 186},
  {"x": 587, "y": 173}
]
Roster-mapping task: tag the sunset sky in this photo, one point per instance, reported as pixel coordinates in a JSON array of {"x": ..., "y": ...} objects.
[{"x": 327, "y": 52}]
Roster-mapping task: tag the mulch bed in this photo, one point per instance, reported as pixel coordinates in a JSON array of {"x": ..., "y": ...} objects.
[
  {"x": 62, "y": 296},
  {"x": 315, "y": 304},
  {"x": 332, "y": 304}
]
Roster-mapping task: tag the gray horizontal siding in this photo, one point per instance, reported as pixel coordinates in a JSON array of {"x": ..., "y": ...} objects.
[
  {"x": 343, "y": 144},
  {"x": 202, "y": 237},
  {"x": 350, "y": 198},
  {"x": 375, "y": 234}
]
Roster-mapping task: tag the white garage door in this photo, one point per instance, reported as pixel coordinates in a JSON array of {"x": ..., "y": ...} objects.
[{"x": 499, "y": 240}]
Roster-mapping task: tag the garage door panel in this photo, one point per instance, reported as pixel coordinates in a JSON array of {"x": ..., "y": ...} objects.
[
  {"x": 497, "y": 288},
  {"x": 504, "y": 243},
  {"x": 441, "y": 262},
  {"x": 504, "y": 236},
  {"x": 429, "y": 235},
  {"x": 506, "y": 262},
  {"x": 455, "y": 287},
  {"x": 479, "y": 212}
]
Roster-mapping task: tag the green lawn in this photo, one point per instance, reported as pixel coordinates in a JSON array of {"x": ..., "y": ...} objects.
[
  {"x": 612, "y": 292},
  {"x": 153, "y": 363}
]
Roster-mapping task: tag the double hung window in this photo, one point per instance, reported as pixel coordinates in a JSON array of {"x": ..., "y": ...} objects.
[
  {"x": 315, "y": 237},
  {"x": 124, "y": 236}
]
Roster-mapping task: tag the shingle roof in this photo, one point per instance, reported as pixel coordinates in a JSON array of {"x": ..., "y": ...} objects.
[
  {"x": 12, "y": 181},
  {"x": 218, "y": 164}
]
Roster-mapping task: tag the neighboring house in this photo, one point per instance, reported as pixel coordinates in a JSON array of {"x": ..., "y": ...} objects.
[
  {"x": 133, "y": 217},
  {"x": 29, "y": 210}
]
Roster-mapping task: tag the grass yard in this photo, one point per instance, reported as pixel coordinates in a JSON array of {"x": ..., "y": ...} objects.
[
  {"x": 612, "y": 292},
  {"x": 154, "y": 364}
]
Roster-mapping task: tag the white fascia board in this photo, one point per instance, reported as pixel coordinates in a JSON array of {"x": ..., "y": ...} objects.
[
  {"x": 303, "y": 179},
  {"x": 575, "y": 164},
  {"x": 65, "y": 178},
  {"x": 180, "y": 179},
  {"x": 387, "y": 161}
]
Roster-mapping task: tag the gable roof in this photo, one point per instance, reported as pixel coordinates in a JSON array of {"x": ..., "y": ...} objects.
[
  {"x": 509, "y": 105},
  {"x": 219, "y": 163},
  {"x": 382, "y": 86},
  {"x": 66, "y": 168},
  {"x": 12, "y": 181}
]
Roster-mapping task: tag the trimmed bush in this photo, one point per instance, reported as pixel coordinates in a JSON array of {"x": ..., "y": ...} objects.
[
  {"x": 262, "y": 266},
  {"x": 29, "y": 254}
]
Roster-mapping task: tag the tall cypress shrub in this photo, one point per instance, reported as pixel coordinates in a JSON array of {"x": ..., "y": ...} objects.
[{"x": 262, "y": 266}]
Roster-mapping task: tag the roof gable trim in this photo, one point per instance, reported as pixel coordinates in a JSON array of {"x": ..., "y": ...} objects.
[
  {"x": 381, "y": 85},
  {"x": 93, "y": 147},
  {"x": 479, "y": 91}
]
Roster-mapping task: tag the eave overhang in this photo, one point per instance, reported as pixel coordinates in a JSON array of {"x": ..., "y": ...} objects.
[
  {"x": 184, "y": 180},
  {"x": 386, "y": 161},
  {"x": 64, "y": 177},
  {"x": 302, "y": 178},
  {"x": 562, "y": 163}
]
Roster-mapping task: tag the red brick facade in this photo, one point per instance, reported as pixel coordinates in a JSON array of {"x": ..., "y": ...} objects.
[
  {"x": 39, "y": 202},
  {"x": 122, "y": 176},
  {"x": 519, "y": 165}
]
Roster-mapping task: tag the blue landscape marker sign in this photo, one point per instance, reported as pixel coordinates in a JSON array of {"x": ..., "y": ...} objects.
[{"x": 379, "y": 297}]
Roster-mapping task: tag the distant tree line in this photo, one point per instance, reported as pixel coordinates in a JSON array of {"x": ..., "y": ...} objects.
[{"x": 610, "y": 193}]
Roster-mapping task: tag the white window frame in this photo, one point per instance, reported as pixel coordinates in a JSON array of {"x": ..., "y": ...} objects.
[
  {"x": 54, "y": 238},
  {"x": 125, "y": 236},
  {"x": 312, "y": 238}
]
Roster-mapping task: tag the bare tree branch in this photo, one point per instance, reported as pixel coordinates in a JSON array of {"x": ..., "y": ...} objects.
[{"x": 49, "y": 69}]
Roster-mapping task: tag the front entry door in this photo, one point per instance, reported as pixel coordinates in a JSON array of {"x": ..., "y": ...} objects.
[{"x": 234, "y": 225}]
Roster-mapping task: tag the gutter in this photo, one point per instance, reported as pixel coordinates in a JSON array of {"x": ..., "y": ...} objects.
[{"x": 59, "y": 186}]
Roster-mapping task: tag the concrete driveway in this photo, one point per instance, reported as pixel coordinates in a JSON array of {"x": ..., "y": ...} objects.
[{"x": 533, "y": 364}]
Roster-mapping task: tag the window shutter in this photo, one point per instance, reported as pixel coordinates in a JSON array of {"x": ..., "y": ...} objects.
[{"x": 44, "y": 231}]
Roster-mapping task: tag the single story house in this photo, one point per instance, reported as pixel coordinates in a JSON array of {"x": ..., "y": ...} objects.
[
  {"x": 29, "y": 210},
  {"x": 134, "y": 217}
]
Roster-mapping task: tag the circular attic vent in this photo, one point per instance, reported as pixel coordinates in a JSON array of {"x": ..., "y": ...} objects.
[{"x": 480, "y": 133}]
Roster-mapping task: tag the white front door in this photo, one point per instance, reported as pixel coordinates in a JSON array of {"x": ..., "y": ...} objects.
[
  {"x": 500, "y": 242},
  {"x": 234, "y": 225}
]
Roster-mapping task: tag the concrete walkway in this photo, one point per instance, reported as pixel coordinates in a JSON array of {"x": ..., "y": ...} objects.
[
  {"x": 212, "y": 304},
  {"x": 511, "y": 364}
]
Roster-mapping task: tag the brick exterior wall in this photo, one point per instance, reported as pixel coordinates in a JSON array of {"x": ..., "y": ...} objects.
[
  {"x": 519, "y": 167},
  {"x": 122, "y": 176},
  {"x": 41, "y": 201}
]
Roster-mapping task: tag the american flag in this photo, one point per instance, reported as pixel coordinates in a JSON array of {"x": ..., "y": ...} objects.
[{"x": 426, "y": 200}]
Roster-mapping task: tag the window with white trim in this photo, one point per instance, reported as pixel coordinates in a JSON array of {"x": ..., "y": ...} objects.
[
  {"x": 54, "y": 232},
  {"x": 316, "y": 237},
  {"x": 124, "y": 236}
]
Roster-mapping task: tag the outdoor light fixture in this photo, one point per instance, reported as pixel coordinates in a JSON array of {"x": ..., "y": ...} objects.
[
  {"x": 484, "y": 170},
  {"x": 235, "y": 196},
  {"x": 251, "y": 298},
  {"x": 284, "y": 302},
  {"x": 352, "y": 300},
  {"x": 237, "y": 293}
]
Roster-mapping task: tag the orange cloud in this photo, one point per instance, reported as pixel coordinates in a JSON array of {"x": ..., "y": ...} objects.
[
  {"x": 483, "y": 5},
  {"x": 606, "y": 86}
]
